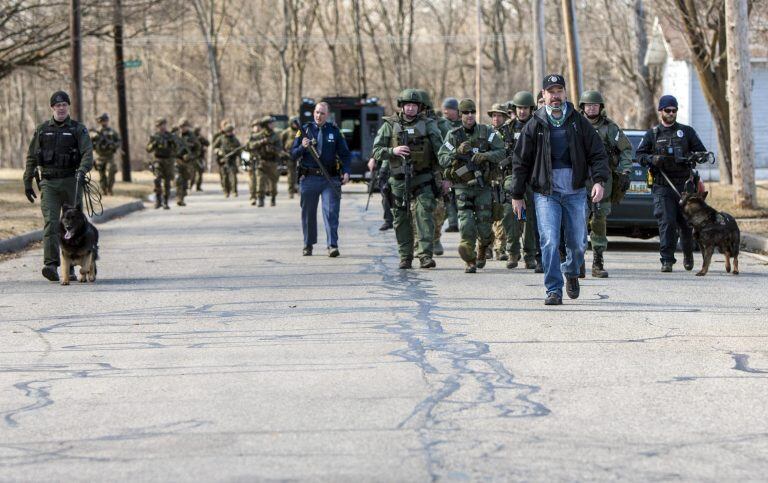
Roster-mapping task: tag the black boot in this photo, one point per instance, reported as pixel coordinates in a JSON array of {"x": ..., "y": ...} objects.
[
  {"x": 597, "y": 264},
  {"x": 165, "y": 203},
  {"x": 272, "y": 201},
  {"x": 261, "y": 202},
  {"x": 158, "y": 200},
  {"x": 688, "y": 260}
]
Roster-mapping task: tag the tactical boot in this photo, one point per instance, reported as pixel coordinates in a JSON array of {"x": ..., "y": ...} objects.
[
  {"x": 530, "y": 264},
  {"x": 261, "y": 202},
  {"x": 50, "y": 272},
  {"x": 466, "y": 254},
  {"x": 512, "y": 263},
  {"x": 253, "y": 201},
  {"x": 583, "y": 271},
  {"x": 307, "y": 251},
  {"x": 553, "y": 299},
  {"x": 482, "y": 257},
  {"x": 597, "y": 265},
  {"x": 489, "y": 253},
  {"x": 539, "y": 268},
  {"x": 501, "y": 255},
  {"x": 666, "y": 267},
  {"x": 158, "y": 201},
  {"x": 572, "y": 287},
  {"x": 405, "y": 263},
  {"x": 427, "y": 262},
  {"x": 181, "y": 203},
  {"x": 333, "y": 252},
  {"x": 385, "y": 226},
  {"x": 438, "y": 248},
  {"x": 470, "y": 268},
  {"x": 272, "y": 201},
  {"x": 165, "y": 203},
  {"x": 688, "y": 261}
]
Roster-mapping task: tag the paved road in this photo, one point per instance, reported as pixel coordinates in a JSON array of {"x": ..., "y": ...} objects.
[{"x": 209, "y": 349}]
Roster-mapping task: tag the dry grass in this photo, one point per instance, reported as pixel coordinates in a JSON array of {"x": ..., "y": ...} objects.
[
  {"x": 17, "y": 215},
  {"x": 721, "y": 197}
]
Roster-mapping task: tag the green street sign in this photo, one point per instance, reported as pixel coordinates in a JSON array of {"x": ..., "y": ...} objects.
[{"x": 132, "y": 63}]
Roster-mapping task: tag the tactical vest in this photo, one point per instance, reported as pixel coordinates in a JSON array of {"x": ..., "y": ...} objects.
[
  {"x": 672, "y": 143},
  {"x": 611, "y": 145},
  {"x": 415, "y": 137},
  {"x": 265, "y": 145},
  {"x": 480, "y": 143},
  {"x": 58, "y": 147},
  {"x": 193, "y": 143},
  {"x": 163, "y": 145},
  {"x": 104, "y": 143}
]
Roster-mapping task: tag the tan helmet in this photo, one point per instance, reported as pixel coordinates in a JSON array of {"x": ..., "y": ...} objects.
[
  {"x": 226, "y": 125},
  {"x": 499, "y": 109},
  {"x": 264, "y": 121},
  {"x": 160, "y": 121},
  {"x": 184, "y": 122}
]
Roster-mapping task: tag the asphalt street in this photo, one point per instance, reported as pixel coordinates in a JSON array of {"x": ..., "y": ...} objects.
[{"x": 209, "y": 349}]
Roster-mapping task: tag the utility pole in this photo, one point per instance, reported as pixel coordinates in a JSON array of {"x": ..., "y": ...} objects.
[
  {"x": 572, "y": 45},
  {"x": 122, "y": 104},
  {"x": 539, "y": 54},
  {"x": 740, "y": 103},
  {"x": 478, "y": 66},
  {"x": 75, "y": 61}
]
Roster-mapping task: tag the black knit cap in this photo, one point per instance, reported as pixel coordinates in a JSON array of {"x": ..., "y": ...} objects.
[{"x": 60, "y": 96}]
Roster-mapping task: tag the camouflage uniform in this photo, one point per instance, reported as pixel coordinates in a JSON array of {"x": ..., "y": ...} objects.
[
  {"x": 165, "y": 147},
  {"x": 106, "y": 142},
  {"x": 451, "y": 212},
  {"x": 60, "y": 151},
  {"x": 506, "y": 228},
  {"x": 267, "y": 147},
  {"x": 480, "y": 145},
  {"x": 287, "y": 136},
  {"x": 253, "y": 162},
  {"x": 423, "y": 137},
  {"x": 199, "y": 164},
  {"x": 187, "y": 164},
  {"x": 225, "y": 146}
]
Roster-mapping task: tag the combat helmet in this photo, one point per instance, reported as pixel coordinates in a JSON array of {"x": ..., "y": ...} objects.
[
  {"x": 407, "y": 96},
  {"x": 103, "y": 117},
  {"x": 499, "y": 109},
  {"x": 264, "y": 121},
  {"x": 523, "y": 99},
  {"x": 591, "y": 97},
  {"x": 426, "y": 101}
]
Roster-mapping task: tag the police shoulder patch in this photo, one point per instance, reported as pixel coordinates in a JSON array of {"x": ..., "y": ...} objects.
[
  {"x": 490, "y": 138},
  {"x": 449, "y": 145},
  {"x": 680, "y": 133}
]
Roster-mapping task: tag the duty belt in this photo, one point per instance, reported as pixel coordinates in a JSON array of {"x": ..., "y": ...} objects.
[
  {"x": 399, "y": 175},
  {"x": 59, "y": 174},
  {"x": 317, "y": 172}
]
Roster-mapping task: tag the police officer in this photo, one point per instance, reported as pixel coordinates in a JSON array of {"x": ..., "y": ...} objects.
[
  {"x": 450, "y": 120},
  {"x": 199, "y": 164},
  {"x": 325, "y": 139},
  {"x": 61, "y": 153},
  {"x": 286, "y": 137},
  {"x": 227, "y": 148},
  {"x": 381, "y": 180},
  {"x": 266, "y": 146},
  {"x": 407, "y": 145},
  {"x": 522, "y": 107},
  {"x": 505, "y": 227},
  {"x": 665, "y": 150},
  {"x": 619, "y": 150},
  {"x": 188, "y": 162},
  {"x": 165, "y": 147},
  {"x": 467, "y": 156},
  {"x": 106, "y": 143}
]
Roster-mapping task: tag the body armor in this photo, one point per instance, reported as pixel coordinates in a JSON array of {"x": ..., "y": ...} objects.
[
  {"x": 415, "y": 137},
  {"x": 163, "y": 145},
  {"x": 480, "y": 143},
  {"x": 58, "y": 147}
]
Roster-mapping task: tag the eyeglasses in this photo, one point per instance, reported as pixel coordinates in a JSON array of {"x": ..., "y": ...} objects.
[
  {"x": 670, "y": 111},
  {"x": 468, "y": 112}
]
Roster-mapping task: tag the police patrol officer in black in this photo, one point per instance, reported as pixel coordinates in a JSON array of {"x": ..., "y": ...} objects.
[
  {"x": 665, "y": 150},
  {"x": 62, "y": 152}
]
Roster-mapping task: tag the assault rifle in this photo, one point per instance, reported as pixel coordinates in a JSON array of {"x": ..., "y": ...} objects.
[
  {"x": 371, "y": 184},
  {"x": 316, "y": 157},
  {"x": 470, "y": 166},
  {"x": 407, "y": 169}
]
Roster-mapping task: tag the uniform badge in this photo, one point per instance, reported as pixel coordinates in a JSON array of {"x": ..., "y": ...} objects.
[
  {"x": 490, "y": 138},
  {"x": 680, "y": 133},
  {"x": 517, "y": 136},
  {"x": 449, "y": 146},
  {"x": 330, "y": 136},
  {"x": 411, "y": 131},
  {"x": 475, "y": 150}
]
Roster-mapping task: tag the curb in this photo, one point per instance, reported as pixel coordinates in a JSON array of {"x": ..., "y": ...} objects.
[
  {"x": 754, "y": 243},
  {"x": 17, "y": 243}
]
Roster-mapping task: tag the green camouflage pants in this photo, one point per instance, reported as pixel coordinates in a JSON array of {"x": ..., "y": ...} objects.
[
  {"x": 253, "y": 183},
  {"x": 267, "y": 177},
  {"x": 228, "y": 175},
  {"x": 291, "y": 167},
  {"x": 107, "y": 170},
  {"x": 596, "y": 222},
  {"x": 514, "y": 229},
  {"x": 55, "y": 193},
  {"x": 439, "y": 215},
  {"x": 475, "y": 217},
  {"x": 422, "y": 214},
  {"x": 185, "y": 171},
  {"x": 164, "y": 172}
]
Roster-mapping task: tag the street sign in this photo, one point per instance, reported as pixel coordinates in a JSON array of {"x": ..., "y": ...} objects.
[{"x": 132, "y": 63}]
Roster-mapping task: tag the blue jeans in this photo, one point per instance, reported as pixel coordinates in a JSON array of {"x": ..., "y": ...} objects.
[
  {"x": 552, "y": 212},
  {"x": 312, "y": 188}
]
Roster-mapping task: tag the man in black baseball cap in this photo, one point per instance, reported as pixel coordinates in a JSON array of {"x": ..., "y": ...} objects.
[{"x": 553, "y": 80}]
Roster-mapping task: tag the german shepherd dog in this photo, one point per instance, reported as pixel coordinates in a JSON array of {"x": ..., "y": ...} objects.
[
  {"x": 79, "y": 242},
  {"x": 712, "y": 229}
]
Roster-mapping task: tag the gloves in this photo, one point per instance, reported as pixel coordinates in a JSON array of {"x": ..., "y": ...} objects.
[
  {"x": 464, "y": 148},
  {"x": 623, "y": 182},
  {"x": 480, "y": 158},
  {"x": 80, "y": 176},
  {"x": 659, "y": 160},
  {"x": 30, "y": 194}
]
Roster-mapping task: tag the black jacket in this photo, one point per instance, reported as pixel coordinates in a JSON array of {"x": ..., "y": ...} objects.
[
  {"x": 532, "y": 161},
  {"x": 658, "y": 138}
]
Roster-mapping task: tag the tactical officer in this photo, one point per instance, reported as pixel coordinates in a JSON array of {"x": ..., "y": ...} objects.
[
  {"x": 199, "y": 164},
  {"x": 106, "y": 143},
  {"x": 450, "y": 120},
  {"x": 666, "y": 149},
  {"x": 321, "y": 142},
  {"x": 62, "y": 152},
  {"x": 286, "y": 137},
  {"x": 253, "y": 161},
  {"x": 165, "y": 147},
  {"x": 523, "y": 106},
  {"x": 407, "y": 145},
  {"x": 503, "y": 226},
  {"x": 187, "y": 163},
  {"x": 619, "y": 151},
  {"x": 381, "y": 179},
  {"x": 468, "y": 156},
  {"x": 227, "y": 148},
  {"x": 558, "y": 150},
  {"x": 266, "y": 146}
]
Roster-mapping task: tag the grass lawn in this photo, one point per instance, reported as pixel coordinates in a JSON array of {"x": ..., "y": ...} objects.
[{"x": 753, "y": 221}]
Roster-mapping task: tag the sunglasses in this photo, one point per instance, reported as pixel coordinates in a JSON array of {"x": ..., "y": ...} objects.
[
  {"x": 670, "y": 111},
  {"x": 468, "y": 112}
]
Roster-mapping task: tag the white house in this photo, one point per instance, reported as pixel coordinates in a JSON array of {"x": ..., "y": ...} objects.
[{"x": 669, "y": 49}]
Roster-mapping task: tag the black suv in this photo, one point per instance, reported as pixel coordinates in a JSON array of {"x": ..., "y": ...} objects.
[{"x": 633, "y": 217}]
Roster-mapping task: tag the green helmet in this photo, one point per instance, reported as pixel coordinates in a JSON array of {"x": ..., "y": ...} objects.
[
  {"x": 425, "y": 99},
  {"x": 524, "y": 99},
  {"x": 409, "y": 96},
  {"x": 467, "y": 105},
  {"x": 591, "y": 97}
]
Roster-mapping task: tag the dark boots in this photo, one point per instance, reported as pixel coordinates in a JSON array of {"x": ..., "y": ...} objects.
[
  {"x": 261, "y": 202},
  {"x": 272, "y": 201},
  {"x": 597, "y": 264}
]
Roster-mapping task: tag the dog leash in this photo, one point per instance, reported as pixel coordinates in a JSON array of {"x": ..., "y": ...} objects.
[
  {"x": 671, "y": 185},
  {"x": 91, "y": 196}
]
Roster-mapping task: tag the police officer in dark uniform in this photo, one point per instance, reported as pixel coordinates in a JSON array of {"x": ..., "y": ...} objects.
[
  {"x": 62, "y": 151},
  {"x": 334, "y": 154},
  {"x": 665, "y": 149}
]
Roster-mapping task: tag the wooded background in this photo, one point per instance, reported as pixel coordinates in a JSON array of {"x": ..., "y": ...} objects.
[{"x": 240, "y": 59}]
